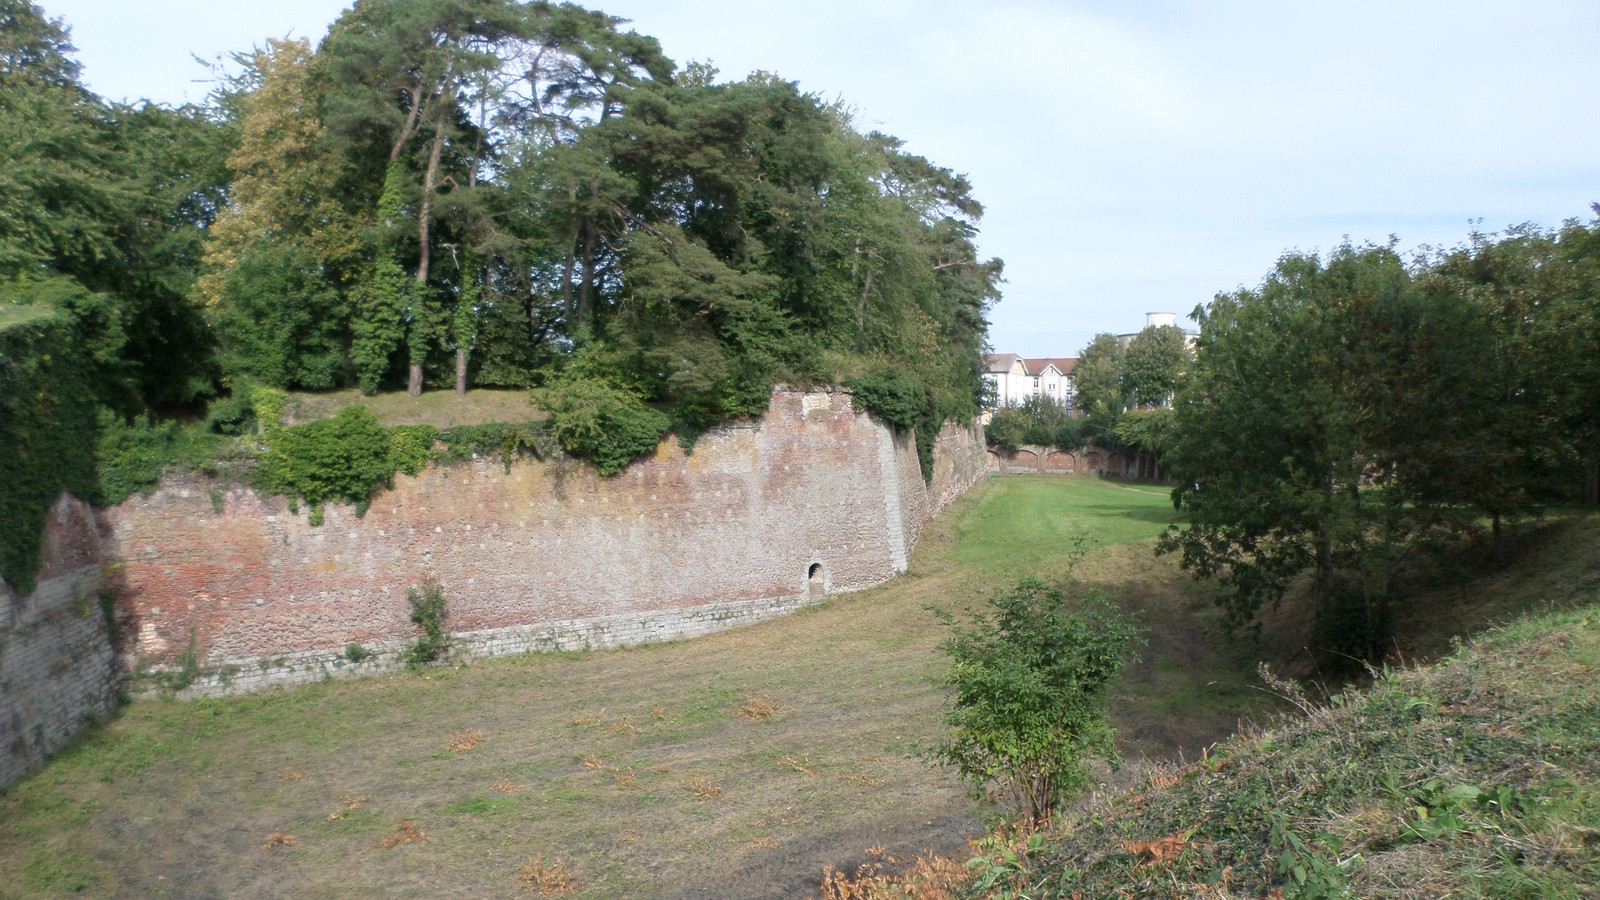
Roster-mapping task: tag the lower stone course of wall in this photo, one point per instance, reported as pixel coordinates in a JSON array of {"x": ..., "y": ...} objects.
[
  {"x": 56, "y": 662},
  {"x": 598, "y": 633}
]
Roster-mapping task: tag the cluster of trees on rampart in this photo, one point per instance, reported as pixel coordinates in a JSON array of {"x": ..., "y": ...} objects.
[
  {"x": 449, "y": 193},
  {"x": 445, "y": 194}
]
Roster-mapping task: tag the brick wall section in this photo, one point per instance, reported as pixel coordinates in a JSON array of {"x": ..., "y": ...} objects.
[
  {"x": 56, "y": 661},
  {"x": 547, "y": 555}
]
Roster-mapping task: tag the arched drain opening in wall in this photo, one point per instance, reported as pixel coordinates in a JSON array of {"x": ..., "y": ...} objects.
[{"x": 816, "y": 580}]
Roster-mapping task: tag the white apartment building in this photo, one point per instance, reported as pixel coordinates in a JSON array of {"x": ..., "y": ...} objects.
[{"x": 1014, "y": 378}]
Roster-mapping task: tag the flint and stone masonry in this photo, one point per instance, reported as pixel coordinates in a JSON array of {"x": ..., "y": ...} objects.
[{"x": 761, "y": 519}]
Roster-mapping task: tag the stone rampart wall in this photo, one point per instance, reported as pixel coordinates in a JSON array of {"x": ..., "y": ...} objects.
[
  {"x": 760, "y": 519},
  {"x": 56, "y": 666}
]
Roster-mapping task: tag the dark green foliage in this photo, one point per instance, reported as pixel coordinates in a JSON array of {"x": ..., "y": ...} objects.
[
  {"x": 132, "y": 456},
  {"x": 1031, "y": 674},
  {"x": 343, "y": 458},
  {"x": 1152, "y": 365},
  {"x": 892, "y": 396},
  {"x": 508, "y": 441},
  {"x": 47, "y": 427},
  {"x": 429, "y": 611},
  {"x": 283, "y": 324},
  {"x": 357, "y": 653},
  {"x": 381, "y": 206},
  {"x": 1351, "y": 410},
  {"x": 232, "y": 413},
  {"x": 597, "y": 421},
  {"x": 1039, "y": 421},
  {"x": 411, "y": 447}
]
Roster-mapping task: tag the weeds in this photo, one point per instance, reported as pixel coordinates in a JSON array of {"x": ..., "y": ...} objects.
[
  {"x": 462, "y": 741},
  {"x": 428, "y": 610},
  {"x": 756, "y": 708},
  {"x": 552, "y": 880},
  {"x": 702, "y": 788},
  {"x": 799, "y": 765},
  {"x": 406, "y": 832}
]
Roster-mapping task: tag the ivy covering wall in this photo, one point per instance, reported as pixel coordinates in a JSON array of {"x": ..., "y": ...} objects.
[{"x": 47, "y": 437}]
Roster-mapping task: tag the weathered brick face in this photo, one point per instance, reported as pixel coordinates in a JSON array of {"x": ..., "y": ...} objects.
[
  {"x": 55, "y": 650},
  {"x": 545, "y": 555}
]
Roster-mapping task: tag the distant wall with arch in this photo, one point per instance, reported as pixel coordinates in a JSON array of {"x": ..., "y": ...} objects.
[
  {"x": 1037, "y": 460},
  {"x": 813, "y": 499}
]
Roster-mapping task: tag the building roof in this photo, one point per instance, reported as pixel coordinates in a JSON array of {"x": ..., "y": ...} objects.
[
  {"x": 1063, "y": 364},
  {"x": 1001, "y": 362}
]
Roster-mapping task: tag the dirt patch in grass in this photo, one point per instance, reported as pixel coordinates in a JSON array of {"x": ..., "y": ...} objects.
[
  {"x": 441, "y": 409},
  {"x": 589, "y": 758}
]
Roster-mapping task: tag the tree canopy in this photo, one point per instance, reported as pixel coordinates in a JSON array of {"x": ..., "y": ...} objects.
[
  {"x": 1351, "y": 408},
  {"x": 448, "y": 193}
]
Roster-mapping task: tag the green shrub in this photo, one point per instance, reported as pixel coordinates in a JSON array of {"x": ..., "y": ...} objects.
[
  {"x": 133, "y": 457},
  {"x": 428, "y": 609},
  {"x": 343, "y": 458},
  {"x": 895, "y": 397},
  {"x": 508, "y": 440},
  {"x": 356, "y": 653},
  {"x": 232, "y": 414},
  {"x": 604, "y": 424},
  {"x": 1031, "y": 677},
  {"x": 411, "y": 447}
]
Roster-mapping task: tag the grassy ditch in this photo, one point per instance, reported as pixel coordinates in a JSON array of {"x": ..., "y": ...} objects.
[{"x": 743, "y": 762}]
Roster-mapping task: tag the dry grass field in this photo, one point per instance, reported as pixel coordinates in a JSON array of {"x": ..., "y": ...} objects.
[{"x": 736, "y": 765}]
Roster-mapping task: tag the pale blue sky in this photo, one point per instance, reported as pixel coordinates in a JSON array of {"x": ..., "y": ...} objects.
[{"x": 1133, "y": 157}]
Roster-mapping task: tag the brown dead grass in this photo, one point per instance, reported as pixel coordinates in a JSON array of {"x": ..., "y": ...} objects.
[
  {"x": 799, "y": 765},
  {"x": 280, "y": 839},
  {"x": 929, "y": 877},
  {"x": 548, "y": 880},
  {"x": 703, "y": 788},
  {"x": 348, "y": 803},
  {"x": 406, "y": 832},
  {"x": 291, "y": 775},
  {"x": 462, "y": 741},
  {"x": 754, "y": 709}
]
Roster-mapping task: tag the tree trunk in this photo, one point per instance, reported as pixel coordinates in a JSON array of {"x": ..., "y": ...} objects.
[
  {"x": 572, "y": 255},
  {"x": 461, "y": 371},
  {"x": 430, "y": 180},
  {"x": 585, "y": 301}
]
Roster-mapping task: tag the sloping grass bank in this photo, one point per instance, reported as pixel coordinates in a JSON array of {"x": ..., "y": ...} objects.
[{"x": 1476, "y": 777}]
